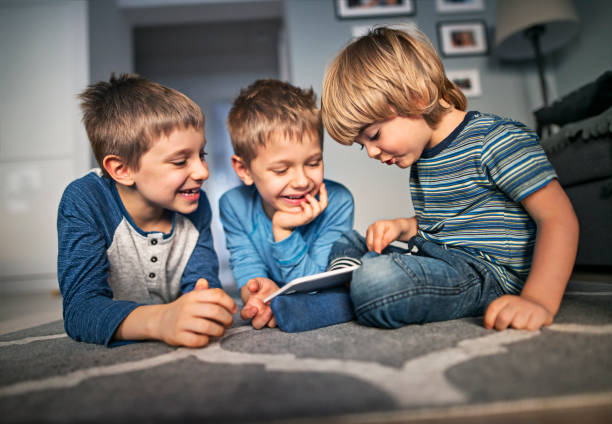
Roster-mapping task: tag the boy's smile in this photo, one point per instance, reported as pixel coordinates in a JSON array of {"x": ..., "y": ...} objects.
[
  {"x": 169, "y": 177},
  {"x": 285, "y": 171}
]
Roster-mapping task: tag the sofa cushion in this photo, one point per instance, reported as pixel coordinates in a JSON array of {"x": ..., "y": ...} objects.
[
  {"x": 582, "y": 151},
  {"x": 588, "y": 100}
]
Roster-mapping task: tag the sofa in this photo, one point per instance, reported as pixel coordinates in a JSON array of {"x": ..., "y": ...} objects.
[{"x": 576, "y": 133}]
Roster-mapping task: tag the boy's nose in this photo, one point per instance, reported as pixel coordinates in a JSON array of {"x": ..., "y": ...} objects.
[
  {"x": 373, "y": 151},
  {"x": 199, "y": 171},
  {"x": 300, "y": 179}
]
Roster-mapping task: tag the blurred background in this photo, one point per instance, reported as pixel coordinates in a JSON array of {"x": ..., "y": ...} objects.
[{"x": 209, "y": 49}]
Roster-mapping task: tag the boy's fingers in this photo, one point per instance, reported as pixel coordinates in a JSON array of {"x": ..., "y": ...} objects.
[
  {"x": 217, "y": 296},
  {"x": 263, "y": 314},
  {"x": 248, "y": 312},
  {"x": 314, "y": 204},
  {"x": 323, "y": 196},
  {"x": 213, "y": 312},
  {"x": 206, "y": 327},
  {"x": 262, "y": 318},
  {"x": 505, "y": 317},
  {"x": 272, "y": 323},
  {"x": 379, "y": 240},
  {"x": 201, "y": 284},
  {"x": 254, "y": 285},
  {"x": 307, "y": 208},
  {"x": 521, "y": 320},
  {"x": 492, "y": 311},
  {"x": 190, "y": 339},
  {"x": 370, "y": 238}
]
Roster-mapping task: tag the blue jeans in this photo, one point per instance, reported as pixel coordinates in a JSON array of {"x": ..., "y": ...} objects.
[
  {"x": 307, "y": 311},
  {"x": 434, "y": 284}
]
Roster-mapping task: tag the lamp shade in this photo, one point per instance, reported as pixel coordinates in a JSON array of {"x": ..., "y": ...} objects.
[{"x": 557, "y": 18}]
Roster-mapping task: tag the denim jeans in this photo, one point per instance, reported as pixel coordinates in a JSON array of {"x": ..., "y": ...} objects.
[
  {"x": 397, "y": 287},
  {"x": 307, "y": 311}
]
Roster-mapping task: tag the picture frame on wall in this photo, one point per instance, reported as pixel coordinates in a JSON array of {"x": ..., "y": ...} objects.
[
  {"x": 468, "y": 81},
  {"x": 458, "y": 6},
  {"x": 463, "y": 38},
  {"x": 356, "y": 9}
]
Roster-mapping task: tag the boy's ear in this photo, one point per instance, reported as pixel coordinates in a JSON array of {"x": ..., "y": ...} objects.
[
  {"x": 242, "y": 170},
  {"x": 118, "y": 170}
]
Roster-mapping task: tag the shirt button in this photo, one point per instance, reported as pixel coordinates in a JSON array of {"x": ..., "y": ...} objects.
[
  {"x": 154, "y": 242},
  {"x": 152, "y": 275},
  {"x": 153, "y": 258}
]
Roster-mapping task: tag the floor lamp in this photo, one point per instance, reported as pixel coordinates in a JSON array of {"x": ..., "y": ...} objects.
[{"x": 529, "y": 29}]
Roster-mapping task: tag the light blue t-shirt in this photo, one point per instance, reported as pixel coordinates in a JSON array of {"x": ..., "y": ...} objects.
[{"x": 253, "y": 251}]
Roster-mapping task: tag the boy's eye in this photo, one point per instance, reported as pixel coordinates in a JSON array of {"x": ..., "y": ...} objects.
[
  {"x": 279, "y": 171},
  {"x": 203, "y": 154},
  {"x": 179, "y": 162},
  {"x": 375, "y": 136},
  {"x": 315, "y": 164}
]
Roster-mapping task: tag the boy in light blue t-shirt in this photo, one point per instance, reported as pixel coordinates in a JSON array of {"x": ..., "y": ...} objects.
[{"x": 276, "y": 227}]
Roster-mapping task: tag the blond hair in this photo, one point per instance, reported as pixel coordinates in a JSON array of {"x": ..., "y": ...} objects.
[
  {"x": 269, "y": 109},
  {"x": 383, "y": 74},
  {"x": 126, "y": 114}
]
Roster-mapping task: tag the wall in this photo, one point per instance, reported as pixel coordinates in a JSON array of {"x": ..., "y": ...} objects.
[
  {"x": 43, "y": 146},
  {"x": 590, "y": 54},
  {"x": 110, "y": 40}
]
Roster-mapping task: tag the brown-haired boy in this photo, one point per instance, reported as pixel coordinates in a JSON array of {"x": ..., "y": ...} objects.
[
  {"x": 275, "y": 226},
  {"x": 134, "y": 237}
]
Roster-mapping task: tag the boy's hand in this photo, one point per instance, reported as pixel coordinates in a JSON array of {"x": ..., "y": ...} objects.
[
  {"x": 382, "y": 233},
  {"x": 516, "y": 312},
  {"x": 195, "y": 317},
  {"x": 253, "y": 294},
  {"x": 283, "y": 223}
]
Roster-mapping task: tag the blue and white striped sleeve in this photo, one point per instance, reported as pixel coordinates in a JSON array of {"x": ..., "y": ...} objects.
[{"x": 515, "y": 161}]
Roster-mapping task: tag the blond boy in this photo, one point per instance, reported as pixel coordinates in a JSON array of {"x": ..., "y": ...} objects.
[{"x": 494, "y": 231}]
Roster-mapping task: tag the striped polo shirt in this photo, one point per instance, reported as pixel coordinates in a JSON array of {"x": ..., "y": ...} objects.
[{"x": 467, "y": 191}]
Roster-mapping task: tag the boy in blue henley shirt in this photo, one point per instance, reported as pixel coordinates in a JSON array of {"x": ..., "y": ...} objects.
[{"x": 134, "y": 236}]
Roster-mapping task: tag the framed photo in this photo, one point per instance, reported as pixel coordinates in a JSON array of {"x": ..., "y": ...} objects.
[
  {"x": 457, "y": 6},
  {"x": 468, "y": 80},
  {"x": 463, "y": 38},
  {"x": 352, "y": 9}
]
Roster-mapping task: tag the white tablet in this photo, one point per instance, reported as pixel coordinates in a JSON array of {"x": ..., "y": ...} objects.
[{"x": 316, "y": 282}]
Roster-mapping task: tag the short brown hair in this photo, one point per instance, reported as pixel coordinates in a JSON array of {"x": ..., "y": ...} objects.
[
  {"x": 126, "y": 114},
  {"x": 383, "y": 74},
  {"x": 271, "y": 108}
]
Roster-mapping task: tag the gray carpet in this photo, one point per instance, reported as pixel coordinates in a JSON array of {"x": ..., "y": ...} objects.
[{"x": 343, "y": 373}]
